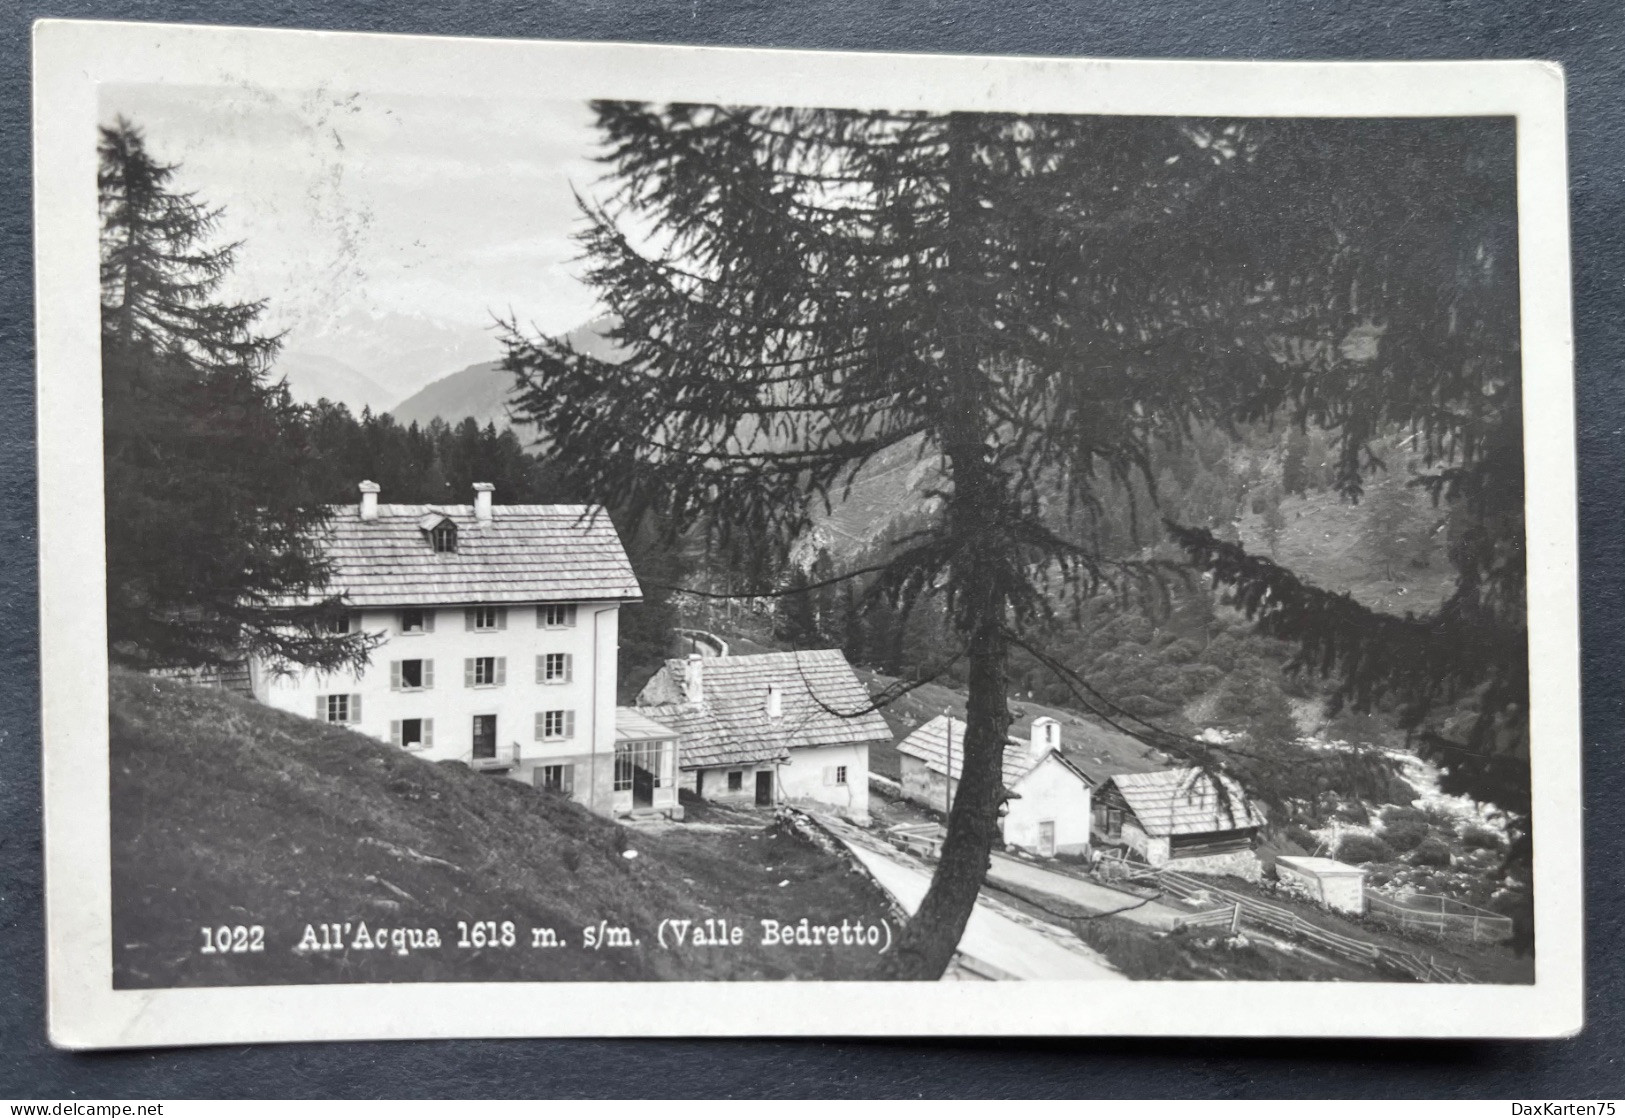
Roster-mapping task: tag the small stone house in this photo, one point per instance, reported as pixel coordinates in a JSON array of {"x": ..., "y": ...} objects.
[
  {"x": 780, "y": 727},
  {"x": 1180, "y": 819},
  {"x": 1049, "y": 813}
]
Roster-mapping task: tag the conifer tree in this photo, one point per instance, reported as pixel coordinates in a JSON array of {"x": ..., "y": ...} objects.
[
  {"x": 1038, "y": 302},
  {"x": 212, "y": 532}
]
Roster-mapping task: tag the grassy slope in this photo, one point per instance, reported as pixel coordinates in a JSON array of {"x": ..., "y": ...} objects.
[
  {"x": 226, "y": 812},
  {"x": 1322, "y": 543}
]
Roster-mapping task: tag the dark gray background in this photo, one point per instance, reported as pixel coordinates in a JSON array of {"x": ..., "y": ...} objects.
[{"x": 1588, "y": 37}]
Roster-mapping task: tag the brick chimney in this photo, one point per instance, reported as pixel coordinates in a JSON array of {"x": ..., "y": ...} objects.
[
  {"x": 694, "y": 679},
  {"x": 482, "y": 501},
  {"x": 369, "y": 500},
  {"x": 1046, "y": 735}
]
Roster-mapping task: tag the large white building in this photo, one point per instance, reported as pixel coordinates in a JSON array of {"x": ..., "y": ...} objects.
[{"x": 499, "y": 627}]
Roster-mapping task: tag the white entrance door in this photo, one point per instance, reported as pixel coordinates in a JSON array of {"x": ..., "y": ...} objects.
[{"x": 1046, "y": 838}]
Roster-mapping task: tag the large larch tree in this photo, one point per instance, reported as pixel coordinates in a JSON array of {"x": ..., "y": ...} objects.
[{"x": 1038, "y": 303}]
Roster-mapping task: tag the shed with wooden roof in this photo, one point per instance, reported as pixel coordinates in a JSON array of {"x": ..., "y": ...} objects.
[{"x": 1182, "y": 818}]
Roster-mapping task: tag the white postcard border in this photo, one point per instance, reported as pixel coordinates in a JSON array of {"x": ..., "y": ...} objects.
[{"x": 72, "y": 58}]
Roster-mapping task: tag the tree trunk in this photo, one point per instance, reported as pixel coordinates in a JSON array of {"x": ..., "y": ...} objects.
[
  {"x": 979, "y": 578},
  {"x": 927, "y": 944}
]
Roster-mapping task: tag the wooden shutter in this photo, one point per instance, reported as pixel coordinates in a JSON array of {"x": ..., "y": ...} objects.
[
  {"x": 567, "y": 779},
  {"x": 569, "y": 666},
  {"x": 428, "y": 732},
  {"x": 502, "y": 670},
  {"x": 468, "y": 671},
  {"x": 355, "y": 708},
  {"x": 541, "y": 725},
  {"x": 541, "y": 669},
  {"x": 428, "y": 675},
  {"x": 395, "y": 677},
  {"x": 395, "y": 731},
  {"x": 321, "y": 708},
  {"x": 428, "y": 621},
  {"x": 569, "y": 723},
  {"x": 570, "y": 616},
  {"x": 829, "y": 774},
  {"x": 468, "y": 621},
  {"x": 502, "y": 617}
]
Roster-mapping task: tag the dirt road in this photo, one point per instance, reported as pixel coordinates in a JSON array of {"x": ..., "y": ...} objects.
[
  {"x": 998, "y": 936},
  {"x": 1008, "y": 871}
]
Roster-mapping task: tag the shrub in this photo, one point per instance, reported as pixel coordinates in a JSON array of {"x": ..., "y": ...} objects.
[
  {"x": 1352, "y": 811},
  {"x": 1397, "y": 814},
  {"x": 1355, "y": 849},
  {"x": 1405, "y": 834},
  {"x": 1474, "y": 837},
  {"x": 1431, "y": 852},
  {"x": 1300, "y": 837},
  {"x": 1398, "y": 791}
]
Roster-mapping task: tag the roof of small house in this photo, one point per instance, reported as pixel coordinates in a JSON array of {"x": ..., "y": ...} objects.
[
  {"x": 1097, "y": 751},
  {"x": 821, "y": 703},
  {"x": 1186, "y": 801},
  {"x": 1320, "y": 867},
  {"x": 524, "y": 553},
  {"x": 632, "y": 724},
  {"x": 930, "y": 744},
  {"x": 1091, "y": 751}
]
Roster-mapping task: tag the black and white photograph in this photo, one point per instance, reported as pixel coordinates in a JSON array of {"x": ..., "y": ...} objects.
[{"x": 630, "y": 528}]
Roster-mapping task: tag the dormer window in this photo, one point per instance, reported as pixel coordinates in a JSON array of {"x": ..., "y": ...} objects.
[{"x": 442, "y": 532}]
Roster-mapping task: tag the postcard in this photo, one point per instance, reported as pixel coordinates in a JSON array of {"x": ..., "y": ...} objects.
[{"x": 581, "y": 539}]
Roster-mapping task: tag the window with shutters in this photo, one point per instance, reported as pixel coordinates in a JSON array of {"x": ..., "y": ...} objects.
[
  {"x": 556, "y": 778},
  {"x": 339, "y": 708},
  {"x": 414, "y": 621},
  {"x": 556, "y": 617},
  {"x": 485, "y": 671},
  {"x": 485, "y": 619},
  {"x": 555, "y": 725},
  {"x": 412, "y": 733},
  {"x": 554, "y": 668},
  {"x": 411, "y": 675}
]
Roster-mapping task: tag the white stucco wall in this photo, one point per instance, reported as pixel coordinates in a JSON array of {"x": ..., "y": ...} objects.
[
  {"x": 925, "y": 787},
  {"x": 1343, "y": 890},
  {"x": 714, "y": 785},
  {"x": 592, "y": 642},
  {"x": 807, "y": 778},
  {"x": 1050, "y": 792}
]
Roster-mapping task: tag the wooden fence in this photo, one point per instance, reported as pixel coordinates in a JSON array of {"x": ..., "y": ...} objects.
[
  {"x": 1238, "y": 908},
  {"x": 1441, "y": 916}
]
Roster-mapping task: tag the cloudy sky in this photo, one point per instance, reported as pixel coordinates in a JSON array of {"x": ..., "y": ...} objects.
[{"x": 372, "y": 221}]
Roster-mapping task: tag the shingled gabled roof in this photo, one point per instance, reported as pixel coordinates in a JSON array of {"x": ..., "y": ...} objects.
[
  {"x": 819, "y": 703},
  {"x": 930, "y": 743},
  {"x": 524, "y": 553},
  {"x": 1186, "y": 802}
]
